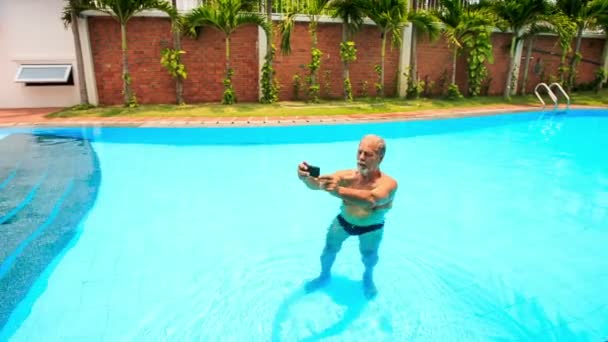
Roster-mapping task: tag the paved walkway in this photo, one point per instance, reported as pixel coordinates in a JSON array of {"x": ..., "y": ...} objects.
[{"x": 36, "y": 117}]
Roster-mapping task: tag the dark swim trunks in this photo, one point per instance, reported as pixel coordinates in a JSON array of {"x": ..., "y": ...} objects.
[{"x": 358, "y": 230}]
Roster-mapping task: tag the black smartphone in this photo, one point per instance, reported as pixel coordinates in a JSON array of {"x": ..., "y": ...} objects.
[{"x": 314, "y": 171}]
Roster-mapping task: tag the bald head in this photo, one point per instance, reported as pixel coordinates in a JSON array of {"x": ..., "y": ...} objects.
[
  {"x": 370, "y": 154},
  {"x": 376, "y": 143}
]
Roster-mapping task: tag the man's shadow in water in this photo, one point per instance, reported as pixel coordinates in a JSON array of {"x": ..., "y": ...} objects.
[{"x": 343, "y": 292}]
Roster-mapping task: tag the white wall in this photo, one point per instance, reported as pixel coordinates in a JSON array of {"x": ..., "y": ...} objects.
[{"x": 32, "y": 31}]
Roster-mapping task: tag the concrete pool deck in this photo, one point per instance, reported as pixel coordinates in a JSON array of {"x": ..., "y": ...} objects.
[{"x": 37, "y": 117}]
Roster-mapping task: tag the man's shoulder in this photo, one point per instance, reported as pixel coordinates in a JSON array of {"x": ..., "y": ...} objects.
[{"x": 387, "y": 179}]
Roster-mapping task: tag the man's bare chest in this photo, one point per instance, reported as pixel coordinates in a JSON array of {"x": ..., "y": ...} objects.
[{"x": 359, "y": 183}]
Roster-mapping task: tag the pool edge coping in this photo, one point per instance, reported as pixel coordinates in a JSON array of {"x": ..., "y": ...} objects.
[{"x": 278, "y": 121}]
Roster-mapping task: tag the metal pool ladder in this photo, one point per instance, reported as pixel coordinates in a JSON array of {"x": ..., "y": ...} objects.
[{"x": 552, "y": 95}]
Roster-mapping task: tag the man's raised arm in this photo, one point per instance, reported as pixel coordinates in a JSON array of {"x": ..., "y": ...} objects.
[{"x": 380, "y": 195}]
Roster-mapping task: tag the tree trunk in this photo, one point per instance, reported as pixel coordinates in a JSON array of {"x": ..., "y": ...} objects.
[
  {"x": 126, "y": 78},
  {"x": 227, "y": 40},
  {"x": 345, "y": 71},
  {"x": 413, "y": 57},
  {"x": 82, "y": 84},
  {"x": 413, "y": 48},
  {"x": 177, "y": 45},
  {"x": 507, "y": 92},
  {"x": 313, "y": 35},
  {"x": 604, "y": 65},
  {"x": 454, "y": 60},
  {"x": 382, "y": 54},
  {"x": 524, "y": 82},
  {"x": 179, "y": 83},
  {"x": 269, "y": 18},
  {"x": 269, "y": 39},
  {"x": 573, "y": 61}
]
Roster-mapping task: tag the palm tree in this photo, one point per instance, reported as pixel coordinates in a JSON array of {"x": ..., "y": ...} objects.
[
  {"x": 122, "y": 11},
  {"x": 268, "y": 87},
  {"x": 390, "y": 16},
  {"x": 603, "y": 21},
  {"x": 71, "y": 11},
  {"x": 423, "y": 22},
  {"x": 351, "y": 13},
  {"x": 414, "y": 39},
  {"x": 177, "y": 45},
  {"x": 517, "y": 16},
  {"x": 313, "y": 9},
  {"x": 585, "y": 14},
  {"x": 552, "y": 22},
  {"x": 414, "y": 49},
  {"x": 225, "y": 16},
  {"x": 460, "y": 23}
]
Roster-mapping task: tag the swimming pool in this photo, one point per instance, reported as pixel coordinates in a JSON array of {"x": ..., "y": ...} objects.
[{"x": 498, "y": 232}]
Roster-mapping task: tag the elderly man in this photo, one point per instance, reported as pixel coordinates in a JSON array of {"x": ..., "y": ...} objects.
[{"x": 367, "y": 195}]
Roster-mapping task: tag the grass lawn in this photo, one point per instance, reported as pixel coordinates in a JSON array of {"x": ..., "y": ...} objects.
[{"x": 359, "y": 106}]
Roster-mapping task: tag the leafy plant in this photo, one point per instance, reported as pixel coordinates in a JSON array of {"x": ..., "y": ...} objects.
[
  {"x": 297, "y": 85},
  {"x": 414, "y": 87},
  {"x": 364, "y": 86},
  {"x": 454, "y": 92},
  {"x": 479, "y": 46},
  {"x": 442, "y": 82},
  {"x": 461, "y": 24},
  {"x": 132, "y": 98},
  {"x": 270, "y": 87},
  {"x": 348, "y": 89},
  {"x": 600, "y": 78},
  {"x": 428, "y": 86},
  {"x": 348, "y": 54},
  {"x": 327, "y": 83},
  {"x": 379, "y": 84},
  {"x": 229, "y": 96},
  {"x": 313, "y": 67},
  {"x": 171, "y": 60}
]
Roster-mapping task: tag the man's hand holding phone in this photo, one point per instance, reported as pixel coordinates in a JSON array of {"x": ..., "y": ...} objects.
[
  {"x": 309, "y": 175},
  {"x": 329, "y": 183},
  {"x": 307, "y": 170}
]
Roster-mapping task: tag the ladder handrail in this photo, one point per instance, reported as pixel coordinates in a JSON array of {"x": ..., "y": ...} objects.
[
  {"x": 551, "y": 94},
  {"x": 559, "y": 86}
]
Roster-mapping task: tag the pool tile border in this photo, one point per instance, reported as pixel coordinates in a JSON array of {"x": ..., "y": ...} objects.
[{"x": 36, "y": 117}]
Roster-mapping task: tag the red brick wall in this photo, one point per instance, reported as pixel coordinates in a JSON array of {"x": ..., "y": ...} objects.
[
  {"x": 205, "y": 62},
  {"x": 501, "y": 43},
  {"x": 435, "y": 58},
  {"x": 368, "y": 46},
  {"x": 434, "y": 63},
  {"x": 547, "y": 53},
  {"x": 151, "y": 83}
]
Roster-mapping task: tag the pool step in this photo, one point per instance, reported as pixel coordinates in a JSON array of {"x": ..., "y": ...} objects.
[
  {"x": 42, "y": 205},
  {"x": 20, "y": 175},
  {"x": 11, "y": 155},
  {"x": 16, "y": 199}
]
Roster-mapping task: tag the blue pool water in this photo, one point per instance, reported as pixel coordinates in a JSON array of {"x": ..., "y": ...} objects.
[{"x": 498, "y": 233}]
